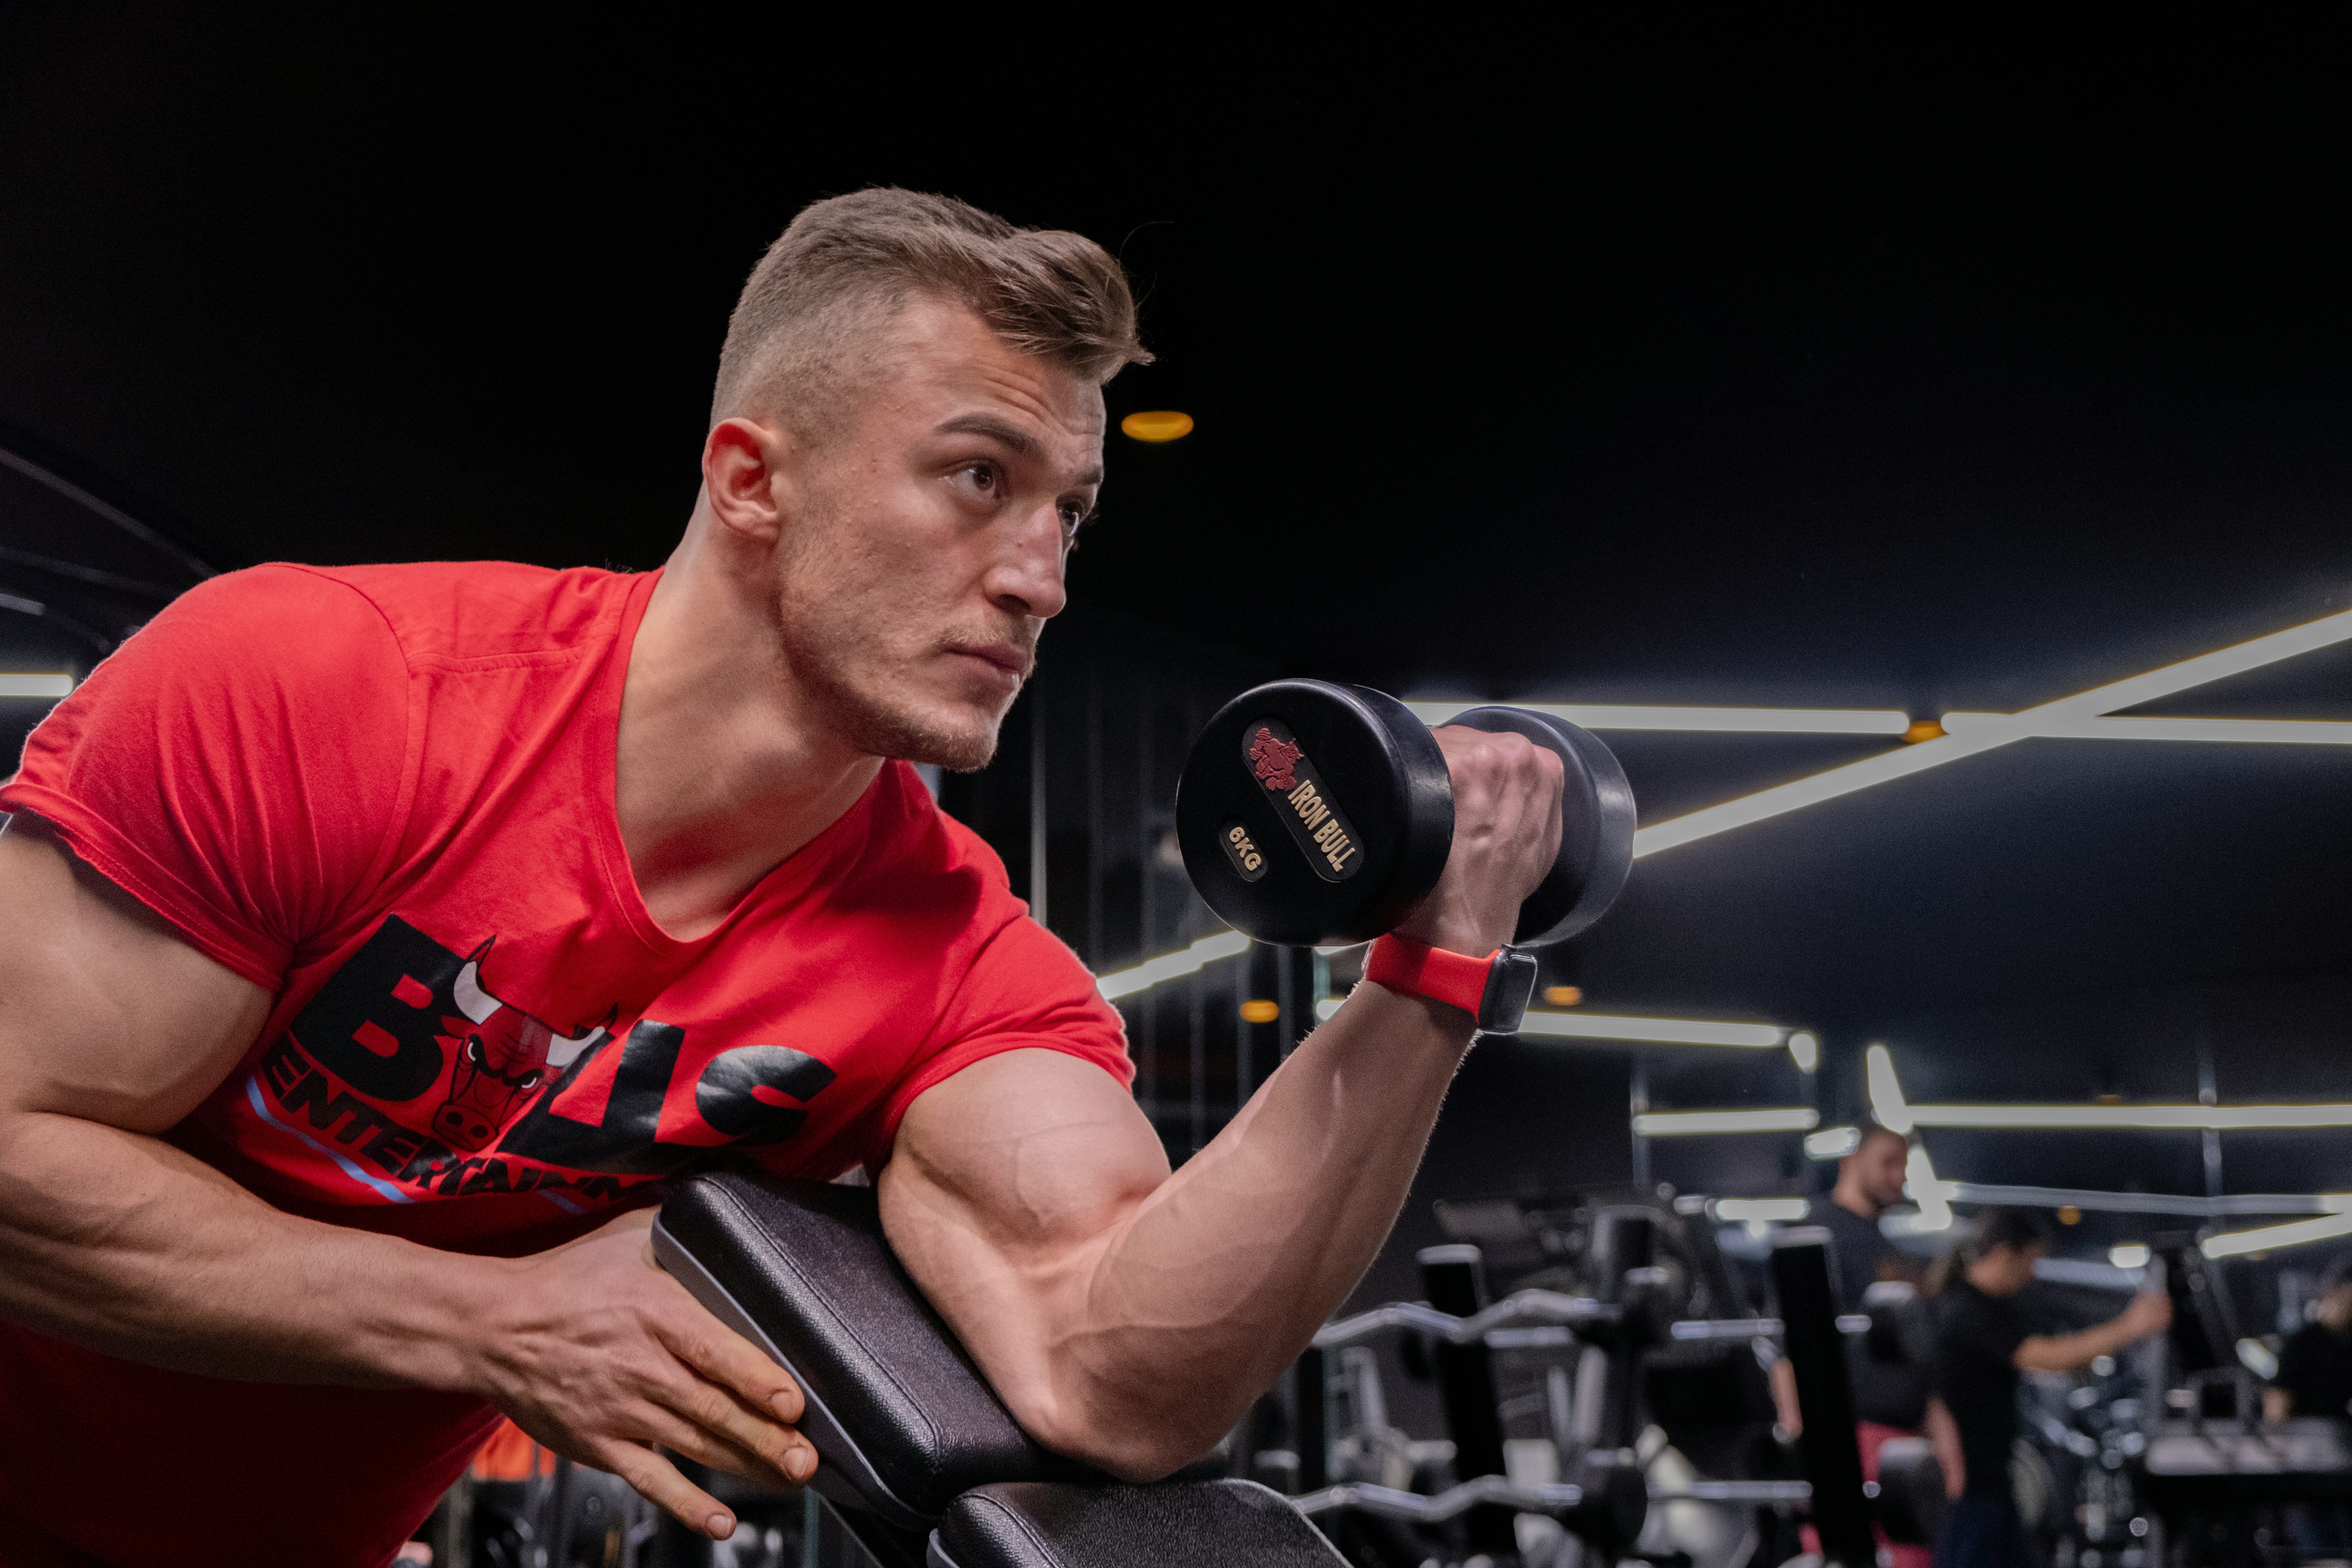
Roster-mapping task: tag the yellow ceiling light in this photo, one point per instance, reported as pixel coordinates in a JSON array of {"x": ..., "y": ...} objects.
[
  {"x": 1562, "y": 995},
  {"x": 1260, "y": 1011},
  {"x": 1157, "y": 425}
]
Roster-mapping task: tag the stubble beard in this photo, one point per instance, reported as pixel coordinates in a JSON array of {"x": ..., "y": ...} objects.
[{"x": 820, "y": 651}]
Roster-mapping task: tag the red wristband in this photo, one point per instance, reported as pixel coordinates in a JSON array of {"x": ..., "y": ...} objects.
[{"x": 1415, "y": 969}]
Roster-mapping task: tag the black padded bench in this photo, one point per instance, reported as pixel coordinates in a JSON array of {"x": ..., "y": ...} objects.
[{"x": 918, "y": 1456}]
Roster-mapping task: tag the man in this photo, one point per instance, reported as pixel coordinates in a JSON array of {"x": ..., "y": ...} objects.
[
  {"x": 2315, "y": 1368},
  {"x": 1889, "y": 1394},
  {"x": 2314, "y": 1379},
  {"x": 1982, "y": 1346},
  {"x": 379, "y": 940}
]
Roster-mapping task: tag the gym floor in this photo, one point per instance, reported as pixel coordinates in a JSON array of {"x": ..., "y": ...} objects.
[{"x": 1764, "y": 401}]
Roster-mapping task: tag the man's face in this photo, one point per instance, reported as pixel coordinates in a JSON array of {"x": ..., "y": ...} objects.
[
  {"x": 2336, "y": 1308},
  {"x": 1876, "y": 1168},
  {"x": 927, "y": 552},
  {"x": 2006, "y": 1271}
]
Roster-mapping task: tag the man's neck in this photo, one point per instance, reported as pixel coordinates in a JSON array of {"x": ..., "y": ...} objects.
[{"x": 724, "y": 769}]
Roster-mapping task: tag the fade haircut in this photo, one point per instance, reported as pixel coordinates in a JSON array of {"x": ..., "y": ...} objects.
[{"x": 804, "y": 335}]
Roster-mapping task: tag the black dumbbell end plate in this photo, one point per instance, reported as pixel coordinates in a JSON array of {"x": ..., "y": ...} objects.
[
  {"x": 1310, "y": 814},
  {"x": 1596, "y": 836}
]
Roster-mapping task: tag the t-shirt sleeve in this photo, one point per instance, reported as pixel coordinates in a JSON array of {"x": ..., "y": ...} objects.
[
  {"x": 1027, "y": 990},
  {"x": 237, "y": 765}
]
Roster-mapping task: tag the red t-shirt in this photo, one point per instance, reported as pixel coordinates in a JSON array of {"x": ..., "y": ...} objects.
[{"x": 386, "y": 794}]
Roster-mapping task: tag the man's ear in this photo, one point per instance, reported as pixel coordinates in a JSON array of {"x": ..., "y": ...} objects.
[{"x": 748, "y": 472}]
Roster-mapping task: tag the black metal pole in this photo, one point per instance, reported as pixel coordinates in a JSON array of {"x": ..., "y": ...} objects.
[
  {"x": 1800, "y": 1277},
  {"x": 1313, "y": 1437},
  {"x": 1623, "y": 1239},
  {"x": 1454, "y": 1277}
]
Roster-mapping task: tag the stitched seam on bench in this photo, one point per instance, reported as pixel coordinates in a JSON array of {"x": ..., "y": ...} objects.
[{"x": 784, "y": 1254}]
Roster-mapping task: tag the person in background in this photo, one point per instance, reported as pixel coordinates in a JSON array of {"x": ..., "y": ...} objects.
[
  {"x": 2314, "y": 1378},
  {"x": 2315, "y": 1369},
  {"x": 1889, "y": 1397},
  {"x": 1980, "y": 1347}
]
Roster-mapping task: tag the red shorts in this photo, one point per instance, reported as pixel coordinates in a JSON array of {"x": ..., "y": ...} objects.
[{"x": 1871, "y": 1436}]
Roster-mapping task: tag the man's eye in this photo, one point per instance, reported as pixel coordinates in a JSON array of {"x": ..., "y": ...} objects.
[{"x": 985, "y": 478}]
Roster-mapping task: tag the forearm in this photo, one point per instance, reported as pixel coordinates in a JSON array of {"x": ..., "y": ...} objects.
[
  {"x": 1224, "y": 1275},
  {"x": 1944, "y": 1437},
  {"x": 2064, "y": 1352},
  {"x": 119, "y": 1241}
]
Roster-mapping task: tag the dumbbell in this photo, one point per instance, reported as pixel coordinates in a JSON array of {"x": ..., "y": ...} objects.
[{"x": 1316, "y": 815}]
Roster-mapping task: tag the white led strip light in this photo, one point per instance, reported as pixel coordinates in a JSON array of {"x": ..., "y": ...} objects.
[
  {"x": 1731, "y": 721},
  {"x": 1663, "y": 1031},
  {"x": 1701, "y": 1124},
  {"x": 1983, "y": 732},
  {"x": 2234, "y": 731},
  {"x": 1173, "y": 966}
]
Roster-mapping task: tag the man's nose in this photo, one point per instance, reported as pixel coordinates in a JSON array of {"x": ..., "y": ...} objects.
[{"x": 1026, "y": 576}]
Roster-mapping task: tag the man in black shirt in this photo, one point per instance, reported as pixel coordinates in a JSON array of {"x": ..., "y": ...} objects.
[
  {"x": 1890, "y": 1395},
  {"x": 2314, "y": 1378},
  {"x": 2314, "y": 1370},
  {"x": 1980, "y": 1347}
]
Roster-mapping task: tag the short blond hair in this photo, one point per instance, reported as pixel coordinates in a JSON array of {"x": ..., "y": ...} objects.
[{"x": 847, "y": 265}]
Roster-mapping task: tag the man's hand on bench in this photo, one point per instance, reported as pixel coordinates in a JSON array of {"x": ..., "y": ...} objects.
[{"x": 600, "y": 1355}]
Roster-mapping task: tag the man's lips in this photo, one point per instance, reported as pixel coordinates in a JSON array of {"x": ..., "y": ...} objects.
[{"x": 1014, "y": 661}]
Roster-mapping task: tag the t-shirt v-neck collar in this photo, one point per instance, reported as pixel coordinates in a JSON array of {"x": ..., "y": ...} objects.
[{"x": 600, "y": 758}]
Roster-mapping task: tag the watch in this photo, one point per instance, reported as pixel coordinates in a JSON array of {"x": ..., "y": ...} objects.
[{"x": 1494, "y": 989}]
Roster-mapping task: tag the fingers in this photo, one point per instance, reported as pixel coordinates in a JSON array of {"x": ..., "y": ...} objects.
[
  {"x": 738, "y": 1396},
  {"x": 732, "y": 1361},
  {"x": 658, "y": 1481},
  {"x": 714, "y": 1414},
  {"x": 698, "y": 1443}
]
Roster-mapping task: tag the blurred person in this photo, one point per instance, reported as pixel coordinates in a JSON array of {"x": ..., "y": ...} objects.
[
  {"x": 1890, "y": 1396},
  {"x": 1980, "y": 1347},
  {"x": 2314, "y": 1379},
  {"x": 2315, "y": 1369}
]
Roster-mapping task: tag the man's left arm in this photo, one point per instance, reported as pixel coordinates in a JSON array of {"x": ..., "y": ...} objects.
[{"x": 1129, "y": 1316}]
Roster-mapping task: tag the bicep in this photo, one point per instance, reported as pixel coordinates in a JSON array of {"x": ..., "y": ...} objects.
[
  {"x": 1007, "y": 1185},
  {"x": 106, "y": 1014},
  {"x": 1026, "y": 1155}
]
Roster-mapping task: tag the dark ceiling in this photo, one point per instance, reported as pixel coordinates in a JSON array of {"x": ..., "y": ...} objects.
[{"x": 1731, "y": 368}]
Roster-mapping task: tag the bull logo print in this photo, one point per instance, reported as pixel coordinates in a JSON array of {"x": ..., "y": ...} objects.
[
  {"x": 1272, "y": 760},
  {"x": 503, "y": 1054}
]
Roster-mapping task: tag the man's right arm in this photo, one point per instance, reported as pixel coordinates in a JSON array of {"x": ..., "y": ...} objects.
[
  {"x": 112, "y": 1029},
  {"x": 2148, "y": 1312}
]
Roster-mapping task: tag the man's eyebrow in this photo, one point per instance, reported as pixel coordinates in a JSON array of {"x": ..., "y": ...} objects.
[
  {"x": 1012, "y": 435},
  {"x": 998, "y": 429}
]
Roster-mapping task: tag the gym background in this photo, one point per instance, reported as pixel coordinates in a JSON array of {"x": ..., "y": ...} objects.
[{"x": 1725, "y": 372}]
